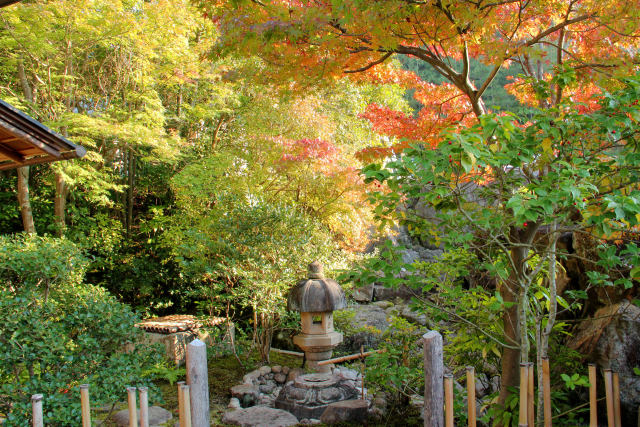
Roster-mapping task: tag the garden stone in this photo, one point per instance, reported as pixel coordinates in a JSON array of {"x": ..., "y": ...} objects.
[
  {"x": 285, "y": 370},
  {"x": 260, "y": 416},
  {"x": 241, "y": 390},
  {"x": 369, "y": 322},
  {"x": 412, "y": 316},
  {"x": 269, "y": 376},
  {"x": 251, "y": 377},
  {"x": 234, "y": 403},
  {"x": 267, "y": 388},
  {"x": 383, "y": 304},
  {"x": 354, "y": 410},
  {"x": 363, "y": 294},
  {"x": 265, "y": 370},
  {"x": 157, "y": 416},
  {"x": 276, "y": 369},
  {"x": 294, "y": 373},
  {"x": 280, "y": 378}
]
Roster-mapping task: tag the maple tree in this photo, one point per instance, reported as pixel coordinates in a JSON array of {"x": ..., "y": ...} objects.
[{"x": 563, "y": 48}]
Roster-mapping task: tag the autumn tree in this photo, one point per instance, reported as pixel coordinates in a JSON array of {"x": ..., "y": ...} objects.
[{"x": 311, "y": 41}]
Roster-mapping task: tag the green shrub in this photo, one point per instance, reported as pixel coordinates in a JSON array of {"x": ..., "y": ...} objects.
[{"x": 56, "y": 337}]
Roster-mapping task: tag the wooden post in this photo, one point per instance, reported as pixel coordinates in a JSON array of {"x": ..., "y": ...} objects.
[
  {"x": 433, "y": 380},
  {"x": 198, "y": 381},
  {"x": 36, "y": 407},
  {"x": 616, "y": 400},
  {"x": 133, "y": 411},
  {"x": 471, "y": 396},
  {"x": 608, "y": 387},
  {"x": 86, "y": 407},
  {"x": 144, "y": 407},
  {"x": 186, "y": 399},
  {"x": 546, "y": 391},
  {"x": 180, "y": 400},
  {"x": 593, "y": 396},
  {"x": 530, "y": 399},
  {"x": 524, "y": 390},
  {"x": 448, "y": 400}
]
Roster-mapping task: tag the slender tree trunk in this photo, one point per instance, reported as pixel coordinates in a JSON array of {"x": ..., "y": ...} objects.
[
  {"x": 60, "y": 204},
  {"x": 23, "y": 172},
  {"x": 131, "y": 182},
  {"x": 23, "y": 200}
]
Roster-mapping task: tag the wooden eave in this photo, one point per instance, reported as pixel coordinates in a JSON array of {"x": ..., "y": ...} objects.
[
  {"x": 25, "y": 141},
  {"x": 4, "y": 3}
]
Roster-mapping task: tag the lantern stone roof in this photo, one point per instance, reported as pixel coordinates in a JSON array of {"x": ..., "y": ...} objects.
[
  {"x": 25, "y": 141},
  {"x": 316, "y": 294}
]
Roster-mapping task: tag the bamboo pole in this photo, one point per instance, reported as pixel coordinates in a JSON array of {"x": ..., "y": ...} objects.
[
  {"x": 524, "y": 391},
  {"x": 350, "y": 357},
  {"x": 546, "y": 391},
  {"x": 144, "y": 407},
  {"x": 530, "y": 399},
  {"x": 36, "y": 407},
  {"x": 471, "y": 396},
  {"x": 608, "y": 386},
  {"x": 86, "y": 407},
  {"x": 186, "y": 421},
  {"x": 180, "y": 401},
  {"x": 133, "y": 411},
  {"x": 593, "y": 396},
  {"x": 616, "y": 400},
  {"x": 448, "y": 400},
  {"x": 364, "y": 368}
]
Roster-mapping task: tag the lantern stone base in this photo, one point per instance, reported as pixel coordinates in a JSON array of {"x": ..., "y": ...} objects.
[{"x": 317, "y": 348}]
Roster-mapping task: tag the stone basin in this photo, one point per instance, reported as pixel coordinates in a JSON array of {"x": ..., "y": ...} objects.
[{"x": 309, "y": 395}]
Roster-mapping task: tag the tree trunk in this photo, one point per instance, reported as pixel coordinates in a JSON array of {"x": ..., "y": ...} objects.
[
  {"x": 23, "y": 200},
  {"x": 60, "y": 204},
  {"x": 131, "y": 182}
]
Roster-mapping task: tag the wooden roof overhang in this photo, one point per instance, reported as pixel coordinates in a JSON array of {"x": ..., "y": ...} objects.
[{"x": 25, "y": 141}]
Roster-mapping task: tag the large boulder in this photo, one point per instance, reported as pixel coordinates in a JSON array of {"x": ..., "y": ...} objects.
[
  {"x": 354, "y": 410},
  {"x": 157, "y": 416},
  {"x": 363, "y": 325},
  {"x": 260, "y": 416},
  {"x": 612, "y": 340}
]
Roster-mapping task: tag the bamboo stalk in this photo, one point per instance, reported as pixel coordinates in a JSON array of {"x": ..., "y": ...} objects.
[
  {"x": 133, "y": 411},
  {"x": 180, "y": 401},
  {"x": 186, "y": 401},
  {"x": 364, "y": 368},
  {"x": 471, "y": 396},
  {"x": 546, "y": 391},
  {"x": 86, "y": 407},
  {"x": 350, "y": 357},
  {"x": 616, "y": 400},
  {"x": 593, "y": 396},
  {"x": 524, "y": 391},
  {"x": 530, "y": 399},
  {"x": 36, "y": 408},
  {"x": 448, "y": 400},
  {"x": 144, "y": 407},
  {"x": 608, "y": 386}
]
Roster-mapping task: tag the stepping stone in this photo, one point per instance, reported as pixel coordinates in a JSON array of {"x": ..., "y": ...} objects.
[
  {"x": 157, "y": 416},
  {"x": 344, "y": 411},
  {"x": 260, "y": 416}
]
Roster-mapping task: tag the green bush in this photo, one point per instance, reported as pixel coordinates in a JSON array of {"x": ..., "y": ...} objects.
[{"x": 67, "y": 334}]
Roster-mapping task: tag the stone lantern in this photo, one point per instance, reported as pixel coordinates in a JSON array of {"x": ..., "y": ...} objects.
[{"x": 316, "y": 298}]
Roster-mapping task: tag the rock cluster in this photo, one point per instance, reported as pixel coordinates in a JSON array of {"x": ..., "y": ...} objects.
[{"x": 262, "y": 386}]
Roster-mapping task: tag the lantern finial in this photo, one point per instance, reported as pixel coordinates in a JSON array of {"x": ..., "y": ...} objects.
[{"x": 316, "y": 270}]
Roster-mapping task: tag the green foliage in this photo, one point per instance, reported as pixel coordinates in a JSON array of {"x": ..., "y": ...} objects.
[{"x": 397, "y": 369}]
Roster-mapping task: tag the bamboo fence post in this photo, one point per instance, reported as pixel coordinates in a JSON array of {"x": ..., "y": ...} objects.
[
  {"x": 608, "y": 386},
  {"x": 185, "y": 420},
  {"x": 433, "y": 379},
  {"x": 524, "y": 391},
  {"x": 448, "y": 400},
  {"x": 180, "y": 400},
  {"x": 471, "y": 395},
  {"x": 144, "y": 407},
  {"x": 133, "y": 411},
  {"x": 36, "y": 408},
  {"x": 364, "y": 368},
  {"x": 86, "y": 407},
  {"x": 530, "y": 399},
  {"x": 546, "y": 391},
  {"x": 593, "y": 396},
  {"x": 198, "y": 381},
  {"x": 616, "y": 400}
]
